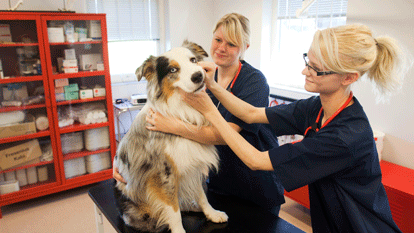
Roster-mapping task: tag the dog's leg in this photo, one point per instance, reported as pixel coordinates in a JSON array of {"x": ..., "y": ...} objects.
[
  {"x": 211, "y": 214},
  {"x": 173, "y": 219}
]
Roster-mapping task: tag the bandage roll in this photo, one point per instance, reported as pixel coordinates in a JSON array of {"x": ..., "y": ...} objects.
[
  {"x": 31, "y": 175},
  {"x": 13, "y": 117},
  {"x": 42, "y": 173},
  {"x": 9, "y": 187},
  {"x": 21, "y": 177},
  {"x": 97, "y": 138},
  {"x": 42, "y": 123},
  {"x": 10, "y": 176}
]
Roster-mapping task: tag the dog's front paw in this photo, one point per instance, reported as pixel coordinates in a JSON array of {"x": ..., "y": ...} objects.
[{"x": 217, "y": 216}]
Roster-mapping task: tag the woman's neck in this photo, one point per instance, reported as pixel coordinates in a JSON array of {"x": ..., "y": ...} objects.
[
  {"x": 332, "y": 102},
  {"x": 226, "y": 73}
]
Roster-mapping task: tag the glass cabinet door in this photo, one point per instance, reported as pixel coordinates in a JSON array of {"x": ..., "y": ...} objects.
[
  {"x": 27, "y": 142},
  {"x": 79, "y": 83}
]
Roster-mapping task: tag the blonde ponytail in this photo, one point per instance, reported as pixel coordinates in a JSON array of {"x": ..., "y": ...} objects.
[{"x": 352, "y": 49}]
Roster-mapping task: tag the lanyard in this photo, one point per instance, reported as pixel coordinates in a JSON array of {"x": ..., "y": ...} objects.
[
  {"x": 232, "y": 82},
  {"x": 315, "y": 125},
  {"x": 234, "y": 79}
]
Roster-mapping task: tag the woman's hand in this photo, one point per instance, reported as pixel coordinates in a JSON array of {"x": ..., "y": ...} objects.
[
  {"x": 117, "y": 176},
  {"x": 159, "y": 122},
  {"x": 210, "y": 69},
  {"x": 200, "y": 101}
]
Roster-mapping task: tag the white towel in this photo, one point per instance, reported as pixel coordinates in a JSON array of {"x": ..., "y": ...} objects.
[
  {"x": 31, "y": 175},
  {"x": 13, "y": 117},
  {"x": 10, "y": 176}
]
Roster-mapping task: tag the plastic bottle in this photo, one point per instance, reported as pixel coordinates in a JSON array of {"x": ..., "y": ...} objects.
[{"x": 21, "y": 60}]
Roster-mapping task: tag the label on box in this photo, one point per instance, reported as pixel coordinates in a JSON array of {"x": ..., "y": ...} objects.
[
  {"x": 70, "y": 54},
  {"x": 90, "y": 61},
  {"x": 19, "y": 154},
  {"x": 99, "y": 92},
  {"x": 94, "y": 29}
]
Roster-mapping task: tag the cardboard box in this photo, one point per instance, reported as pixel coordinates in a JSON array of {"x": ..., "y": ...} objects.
[
  {"x": 26, "y": 127},
  {"x": 90, "y": 61},
  {"x": 60, "y": 96},
  {"x": 55, "y": 34},
  {"x": 73, "y": 95},
  {"x": 71, "y": 87},
  {"x": 61, "y": 82},
  {"x": 99, "y": 92},
  {"x": 94, "y": 29},
  {"x": 59, "y": 90},
  {"x": 5, "y": 35},
  {"x": 86, "y": 94},
  {"x": 20, "y": 154}
]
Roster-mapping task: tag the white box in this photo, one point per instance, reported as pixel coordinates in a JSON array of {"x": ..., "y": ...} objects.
[
  {"x": 99, "y": 92},
  {"x": 90, "y": 61},
  {"x": 55, "y": 34},
  {"x": 86, "y": 94},
  {"x": 94, "y": 29},
  {"x": 70, "y": 66},
  {"x": 70, "y": 54}
]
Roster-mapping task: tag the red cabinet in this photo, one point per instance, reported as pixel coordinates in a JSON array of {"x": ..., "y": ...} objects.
[{"x": 56, "y": 113}]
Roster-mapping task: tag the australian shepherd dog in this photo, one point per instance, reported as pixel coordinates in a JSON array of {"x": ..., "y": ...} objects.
[{"x": 165, "y": 172}]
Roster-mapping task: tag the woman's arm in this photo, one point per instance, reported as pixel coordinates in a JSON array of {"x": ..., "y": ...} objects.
[
  {"x": 253, "y": 158},
  {"x": 241, "y": 109},
  {"x": 205, "y": 134}
]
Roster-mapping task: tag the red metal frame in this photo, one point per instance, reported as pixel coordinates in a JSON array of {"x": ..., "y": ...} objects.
[{"x": 60, "y": 183}]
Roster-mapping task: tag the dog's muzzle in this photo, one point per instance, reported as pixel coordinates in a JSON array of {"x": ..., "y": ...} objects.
[{"x": 197, "y": 77}]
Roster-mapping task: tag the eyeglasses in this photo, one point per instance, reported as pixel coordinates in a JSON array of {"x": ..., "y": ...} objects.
[{"x": 318, "y": 73}]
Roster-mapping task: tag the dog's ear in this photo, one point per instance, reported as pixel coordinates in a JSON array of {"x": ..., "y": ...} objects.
[
  {"x": 198, "y": 51},
  {"x": 147, "y": 69}
]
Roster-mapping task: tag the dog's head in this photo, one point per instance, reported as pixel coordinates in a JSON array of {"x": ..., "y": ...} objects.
[{"x": 174, "y": 69}]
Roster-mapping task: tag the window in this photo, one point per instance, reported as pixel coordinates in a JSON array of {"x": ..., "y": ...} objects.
[
  {"x": 133, "y": 34},
  {"x": 293, "y": 37}
]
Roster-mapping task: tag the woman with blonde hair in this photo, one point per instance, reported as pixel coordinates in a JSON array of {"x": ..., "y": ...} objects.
[
  {"x": 337, "y": 157},
  {"x": 231, "y": 38}
]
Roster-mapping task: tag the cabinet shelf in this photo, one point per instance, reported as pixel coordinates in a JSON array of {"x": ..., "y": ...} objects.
[
  {"x": 80, "y": 127},
  {"x": 79, "y": 74},
  {"x": 33, "y": 106},
  {"x": 20, "y": 79},
  {"x": 27, "y": 166},
  {"x": 25, "y": 137},
  {"x": 80, "y": 101},
  {"x": 83, "y": 153},
  {"x": 17, "y": 44},
  {"x": 77, "y": 43}
]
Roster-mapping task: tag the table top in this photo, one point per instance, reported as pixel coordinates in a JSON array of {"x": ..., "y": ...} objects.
[
  {"x": 243, "y": 216},
  {"x": 128, "y": 106}
]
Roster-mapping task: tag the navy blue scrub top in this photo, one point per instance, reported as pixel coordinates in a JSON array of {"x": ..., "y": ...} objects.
[
  {"x": 339, "y": 163},
  {"x": 234, "y": 177}
]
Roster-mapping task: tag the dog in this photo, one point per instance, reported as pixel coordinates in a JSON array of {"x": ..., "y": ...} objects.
[{"x": 165, "y": 172}]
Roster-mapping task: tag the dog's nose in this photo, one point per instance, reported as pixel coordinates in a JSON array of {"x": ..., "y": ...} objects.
[{"x": 197, "y": 77}]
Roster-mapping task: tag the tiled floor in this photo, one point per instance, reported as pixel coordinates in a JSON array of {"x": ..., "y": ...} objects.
[{"x": 73, "y": 212}]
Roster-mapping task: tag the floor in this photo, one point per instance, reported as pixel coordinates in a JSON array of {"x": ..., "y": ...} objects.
[{"x": 73, "y": 211}]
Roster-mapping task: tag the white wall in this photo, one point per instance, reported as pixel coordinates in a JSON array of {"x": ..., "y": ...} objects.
[{"x": 396, "y": 19}]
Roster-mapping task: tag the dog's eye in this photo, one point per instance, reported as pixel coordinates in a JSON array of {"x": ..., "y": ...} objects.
[
  {"x": 193, "y": 60},
  {"x": 173, "y": 70}
]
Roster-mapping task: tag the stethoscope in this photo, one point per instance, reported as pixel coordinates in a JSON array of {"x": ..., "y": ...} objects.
[
  {"x": 230, "y": 87},
  {"x": 314, "y": 127}
]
